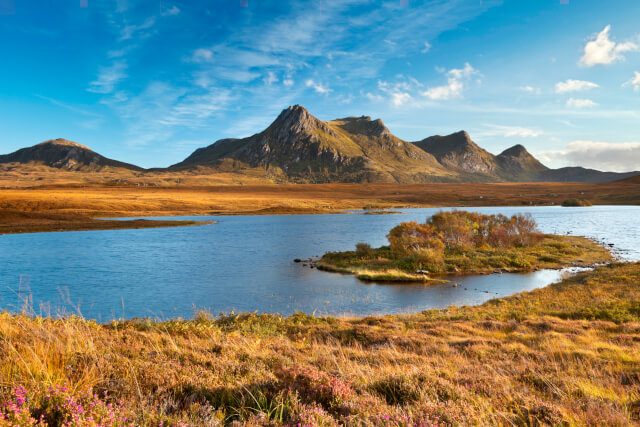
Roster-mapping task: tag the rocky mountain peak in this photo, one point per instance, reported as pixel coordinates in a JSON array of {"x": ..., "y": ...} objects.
[
  {"x": 296, "y": 120},
  {"x": 64, "y": 144},
  {"x": 515, "y": 151},
  {"x": 364, "y": 125}
]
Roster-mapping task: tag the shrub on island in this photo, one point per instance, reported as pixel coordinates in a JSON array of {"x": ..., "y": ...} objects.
[{"x": 463, "y": 242}]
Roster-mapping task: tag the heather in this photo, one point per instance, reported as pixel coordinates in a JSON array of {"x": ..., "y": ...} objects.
[{"x": 567, "y": 354}]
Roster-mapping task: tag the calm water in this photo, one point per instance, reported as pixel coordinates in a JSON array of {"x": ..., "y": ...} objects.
[{"x": 244, "y": 263}]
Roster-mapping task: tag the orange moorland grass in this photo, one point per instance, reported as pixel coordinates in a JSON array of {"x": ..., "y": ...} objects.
[
  {"x": 203, "y": 195},
  {"x": 568, "y": 354}
]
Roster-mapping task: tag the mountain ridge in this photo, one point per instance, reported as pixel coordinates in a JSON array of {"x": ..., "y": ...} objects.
[{"x": 297, "y": 147}]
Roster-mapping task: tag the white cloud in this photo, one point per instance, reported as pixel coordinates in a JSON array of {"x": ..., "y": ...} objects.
[
  {"x": 108, "y": 78},
  {"x": 456, "y": 78},
  {"x": 426, "y": 48},
  {"x": 202, "y": 55},
  {"x": 400, "y": 98},
  {"x": 608, "y": 156},
  {"x": 130, "y": 30},
  {"x": 574, "y": 86},
  {"x": 374, "y": 97},
  {"x": 508, "y": 131},
  {"x": 287, "y": 82},
  {"x": 603, "y": 51},
  {"x": 580, "y": 103},
  {"x": 171, "y": 12},
  {"x": 530, "y": 89},
  {"x": 318, "y": 87},
  {"x": 270, "y": 78},
  {"x": 635, "y": 81}
]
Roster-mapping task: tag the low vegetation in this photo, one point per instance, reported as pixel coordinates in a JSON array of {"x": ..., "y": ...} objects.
[
  {"x": 184, "y": 194},
  {"x": 463, "y": 242},
  {"x": 576, "y": 203},
  {"x": 568, "y": 354},
  {"x": 14, "y": 222}
]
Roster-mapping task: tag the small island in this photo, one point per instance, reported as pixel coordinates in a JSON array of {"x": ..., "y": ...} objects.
[
  {"x": 461, "y": 242},
  {"x": 576, "y": 203}
]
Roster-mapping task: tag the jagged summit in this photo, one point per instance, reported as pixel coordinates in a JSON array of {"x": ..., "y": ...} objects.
[
  {"x": 64, "y": 154},
  {"x": 296, "y": 119},
  {"x": 363, "y": 125}
]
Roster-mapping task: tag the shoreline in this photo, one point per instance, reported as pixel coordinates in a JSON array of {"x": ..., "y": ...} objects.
[
  {"x": 17, "y": 222},
  {"x": 595, "y": 255}
]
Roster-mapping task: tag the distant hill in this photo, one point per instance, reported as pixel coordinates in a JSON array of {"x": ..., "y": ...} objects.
[
  {"x": 458, "y": 152},
  {"x": 580, "y": 174},
  {"x": 63, "y": 154},
  {"x": 297, "y": 147}
]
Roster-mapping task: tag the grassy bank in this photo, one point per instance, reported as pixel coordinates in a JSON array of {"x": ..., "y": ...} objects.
[
  {"x": 16, "y": 222},
  {"x": 568, "y": 353},
  {"x": 461, "y": 242}
]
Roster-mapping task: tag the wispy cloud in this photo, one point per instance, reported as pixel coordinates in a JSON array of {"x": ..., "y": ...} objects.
[
  {"x": 129, "y": 31},
  {"x": 66, "y": 106},
  {"x": 172, "y": 11},
  {"x": 580, "y": 103},
  {"x": 318, "y": 87},
  {"x": 574, "y": 86},
  {"x": 109, "y": 77},
  {"x": 601, "y": 50},
  {"x": 530, "y": 89},
  {"x": 635, "y": 81},
  {"x": 509, "y": 131}
]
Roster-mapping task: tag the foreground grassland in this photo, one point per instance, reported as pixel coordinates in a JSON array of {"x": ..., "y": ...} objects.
[{"x": 568, "y": 354}]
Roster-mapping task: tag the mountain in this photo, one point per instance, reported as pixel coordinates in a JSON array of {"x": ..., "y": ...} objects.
[
  {"x": 63, "y": 154},
  {"x": 517, "y": 164},
  {"x": 300, "y": 148},
  {"x": 459, "y": 152},
  {"x": 580, "y": 174}
]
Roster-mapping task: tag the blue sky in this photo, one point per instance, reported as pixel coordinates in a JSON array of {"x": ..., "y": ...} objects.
[{"x": 150, "y": 81}]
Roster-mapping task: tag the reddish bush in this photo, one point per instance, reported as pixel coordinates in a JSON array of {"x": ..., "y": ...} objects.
[{"x": 461, "y": 231}]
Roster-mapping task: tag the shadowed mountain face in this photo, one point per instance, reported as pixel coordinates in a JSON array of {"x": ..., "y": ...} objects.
[
  {"x": 297, "y": 147},
  {"x": 63, "y": 154}
]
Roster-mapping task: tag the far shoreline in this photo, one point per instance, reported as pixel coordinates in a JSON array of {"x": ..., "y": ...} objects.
[{"x": 17, "y": 222}]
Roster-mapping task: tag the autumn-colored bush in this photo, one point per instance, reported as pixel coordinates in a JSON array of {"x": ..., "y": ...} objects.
[{"x": 458, "y": 231}]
